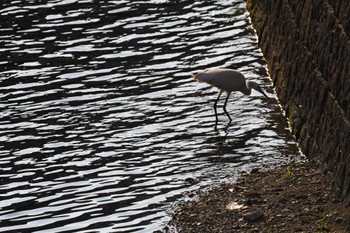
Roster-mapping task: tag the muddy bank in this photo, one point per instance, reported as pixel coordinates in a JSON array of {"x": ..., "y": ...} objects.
[{"x": 291, "y": 198}]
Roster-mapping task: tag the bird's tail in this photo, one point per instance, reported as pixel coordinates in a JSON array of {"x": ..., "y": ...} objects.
[{"x": 199, "y": 77}]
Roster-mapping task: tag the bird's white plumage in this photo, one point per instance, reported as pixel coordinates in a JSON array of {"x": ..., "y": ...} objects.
[{"x": 225, "y": 79}]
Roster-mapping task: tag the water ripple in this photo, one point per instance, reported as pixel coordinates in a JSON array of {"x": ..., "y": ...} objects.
[{"x": 100, "y": 122}]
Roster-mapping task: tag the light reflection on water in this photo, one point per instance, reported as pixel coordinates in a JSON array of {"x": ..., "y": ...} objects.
[{"x": 101, "y": 124}]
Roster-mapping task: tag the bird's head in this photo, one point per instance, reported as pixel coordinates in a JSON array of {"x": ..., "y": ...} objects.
[{"x": 256, "y": 87}]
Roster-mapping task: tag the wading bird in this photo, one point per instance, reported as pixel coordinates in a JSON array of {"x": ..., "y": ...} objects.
[{"x": 227, "y": 80}]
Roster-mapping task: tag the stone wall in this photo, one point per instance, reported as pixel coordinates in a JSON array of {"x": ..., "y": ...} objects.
[{"x": 307, "y": 48}]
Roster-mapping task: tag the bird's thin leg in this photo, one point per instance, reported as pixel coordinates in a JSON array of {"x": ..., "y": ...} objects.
[
  {"x": 216, "y": 113},
  {"x": 228, "y": 95}
]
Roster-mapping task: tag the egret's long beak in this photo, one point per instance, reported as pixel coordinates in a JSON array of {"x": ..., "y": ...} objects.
[{"x": 262, "y": 92}]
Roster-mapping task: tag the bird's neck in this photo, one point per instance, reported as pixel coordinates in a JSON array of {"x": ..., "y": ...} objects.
[{"x": 248, "y": 89}]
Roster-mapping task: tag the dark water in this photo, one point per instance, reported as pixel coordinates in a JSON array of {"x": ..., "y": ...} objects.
[{"x": 100, "y": 123}]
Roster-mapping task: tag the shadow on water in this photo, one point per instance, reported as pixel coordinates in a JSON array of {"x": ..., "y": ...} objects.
[{"x": 100, "y": 122}]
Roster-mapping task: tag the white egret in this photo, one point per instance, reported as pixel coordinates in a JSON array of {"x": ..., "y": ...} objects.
[{"x": 227, "y": 80}]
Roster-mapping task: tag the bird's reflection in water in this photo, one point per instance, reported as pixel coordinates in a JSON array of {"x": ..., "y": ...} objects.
[{"x": 228, "y": 144}]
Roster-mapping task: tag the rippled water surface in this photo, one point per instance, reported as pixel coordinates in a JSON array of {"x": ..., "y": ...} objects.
[{"x": 102, "y": 128}]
